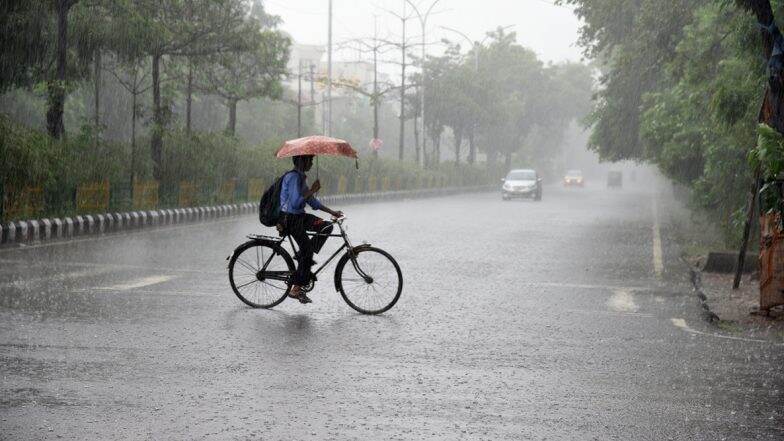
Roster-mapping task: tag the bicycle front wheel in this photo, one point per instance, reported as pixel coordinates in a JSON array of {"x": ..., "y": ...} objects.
[
  {"x": 259, "y": 274},
  {"x": 373, "y": 285}
]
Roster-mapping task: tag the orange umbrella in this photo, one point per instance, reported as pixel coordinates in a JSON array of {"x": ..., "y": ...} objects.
[{"x": 316, "y": 145}]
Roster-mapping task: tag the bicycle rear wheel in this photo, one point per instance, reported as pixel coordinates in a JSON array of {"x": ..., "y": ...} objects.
[
  {"x": 379, "y": 291},
  {"x": 259, "y": 273}
]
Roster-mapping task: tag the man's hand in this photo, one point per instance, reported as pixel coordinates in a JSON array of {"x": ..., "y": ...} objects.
[
  {"x": 336, "y": 214},
  {"x": 315, "y": 187}
]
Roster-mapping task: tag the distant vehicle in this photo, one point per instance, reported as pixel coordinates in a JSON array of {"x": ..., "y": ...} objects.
[
  {"x": 614, "y": 179},
  {"x": 574, "y": 178},
  {"x": 522, "y": 183}
]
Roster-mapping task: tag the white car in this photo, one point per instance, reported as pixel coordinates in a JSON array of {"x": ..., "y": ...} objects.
[{"x": 522, "y": 183}]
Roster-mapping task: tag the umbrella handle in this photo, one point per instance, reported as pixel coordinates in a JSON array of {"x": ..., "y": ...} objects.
[{"x": 317, "y": 168}]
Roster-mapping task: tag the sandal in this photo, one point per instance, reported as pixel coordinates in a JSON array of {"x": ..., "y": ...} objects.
[{"x": 302, "y": 297}]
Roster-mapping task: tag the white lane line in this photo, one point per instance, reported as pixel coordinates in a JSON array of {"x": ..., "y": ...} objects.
[
  {"x": 658, "y": 265},
  {"x": 622, "y": 301},
  {"x": 611, "y": 313},
  {"x": 119, "y": 266},
  {"x": 21, "y": 283},
  {"x": 682, "y": 325},
  {"x": 138, "y": 283},
  {"x": 589, "y": 286}
]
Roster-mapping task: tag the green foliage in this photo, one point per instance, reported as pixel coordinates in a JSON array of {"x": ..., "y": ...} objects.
[
  {"x": 504, "y": 96},
  {"x": 768, "y": 157},
  {"x": 769, "y": 153},
  {"x": 30, "y": 158},
  {"x": 682, "y": 86}
]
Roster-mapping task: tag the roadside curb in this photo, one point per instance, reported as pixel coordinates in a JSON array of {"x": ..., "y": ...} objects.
[
  {"x": 695, "y": 275},
  {"x": 26, "y": 232}
]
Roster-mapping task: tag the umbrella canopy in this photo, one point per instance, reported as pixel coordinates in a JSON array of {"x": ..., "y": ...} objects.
[{"x": 316, "y": 145}]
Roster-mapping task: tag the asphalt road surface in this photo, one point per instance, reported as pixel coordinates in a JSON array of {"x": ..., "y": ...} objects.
[{"x": 570, "y": 318}]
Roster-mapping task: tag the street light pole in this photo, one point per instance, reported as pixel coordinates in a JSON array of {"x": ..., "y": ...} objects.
[
  {"x": 299, "y": 99},
  {"x": 423, "y": 23},
  {"x": 328, "y": 127}
]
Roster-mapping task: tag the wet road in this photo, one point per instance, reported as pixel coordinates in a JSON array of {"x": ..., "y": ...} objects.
[{"x": 570, "y": 318}]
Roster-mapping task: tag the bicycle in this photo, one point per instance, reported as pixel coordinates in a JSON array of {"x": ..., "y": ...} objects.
[{"x": 260, "y": 272}]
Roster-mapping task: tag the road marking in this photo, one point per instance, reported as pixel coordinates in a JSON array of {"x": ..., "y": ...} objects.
[
  {"x": 56, "y": 277},
  {"x": 622, "y": 301},
  {"x": 658, "y": 265},
  {"x": 122, "y": 266},
  {"x": 611, "y": 313},
  {"x": 138, "y": 283},
  {"x": 682, "y": 325},
  {"x": 589, "y": 286}
]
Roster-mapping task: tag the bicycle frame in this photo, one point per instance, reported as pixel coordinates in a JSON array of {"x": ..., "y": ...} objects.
[{"x": 346, "y": 246}]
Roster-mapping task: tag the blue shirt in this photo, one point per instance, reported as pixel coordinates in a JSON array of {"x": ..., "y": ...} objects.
[{"x": 291, "y": 191}]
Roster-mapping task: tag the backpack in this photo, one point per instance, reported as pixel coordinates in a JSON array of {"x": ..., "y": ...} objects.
[{"x": 269, "y": 206}]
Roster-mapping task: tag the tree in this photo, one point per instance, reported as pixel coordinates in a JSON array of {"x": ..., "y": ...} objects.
[
  {"x": 181, "y": 28},
  {"x": 633, "y": 40},
  {"x": 44, "y": 43},
  {"x": 239, "y": 76}
]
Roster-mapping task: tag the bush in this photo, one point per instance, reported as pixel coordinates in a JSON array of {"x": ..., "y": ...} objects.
[{"x": 207, "y": 160}]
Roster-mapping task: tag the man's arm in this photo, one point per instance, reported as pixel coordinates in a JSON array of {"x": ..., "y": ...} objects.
[{"x": 331, "y": 211}]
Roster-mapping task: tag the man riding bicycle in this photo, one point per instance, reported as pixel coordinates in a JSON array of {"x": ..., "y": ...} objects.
[{"x": 294, "y": 194}]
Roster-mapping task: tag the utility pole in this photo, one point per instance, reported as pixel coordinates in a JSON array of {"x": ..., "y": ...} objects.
[
  {"x": 402, "y": 144},
  {"x": 329, "y": 73},
  {"x": 372, "y": 92}
]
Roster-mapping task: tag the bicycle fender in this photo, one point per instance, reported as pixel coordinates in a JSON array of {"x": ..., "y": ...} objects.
[
  {"x": 344, "y": 258},
  {"x": 249, "y": 242}
]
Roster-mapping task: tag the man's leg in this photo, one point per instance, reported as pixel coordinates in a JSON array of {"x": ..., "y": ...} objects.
[
  {"x": 322, "y": 229},
  {"x": 295, "y": 226}
]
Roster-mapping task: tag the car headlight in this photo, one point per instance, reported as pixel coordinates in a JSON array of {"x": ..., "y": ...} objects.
[{"x": 507, "y": 187}]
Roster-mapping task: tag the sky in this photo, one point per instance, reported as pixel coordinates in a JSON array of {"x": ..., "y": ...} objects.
[{"x": 550, "y": 30}]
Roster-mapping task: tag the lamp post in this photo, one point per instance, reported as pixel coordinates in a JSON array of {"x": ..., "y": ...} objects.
[
  {"x": 423, "y": 22},
  {"x": 328, "y": 128}
]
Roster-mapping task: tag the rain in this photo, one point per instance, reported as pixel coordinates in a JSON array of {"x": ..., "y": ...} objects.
[{"x": 397, "y": 219}]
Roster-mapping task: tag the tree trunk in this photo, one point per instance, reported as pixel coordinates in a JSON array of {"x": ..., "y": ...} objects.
[
  {"x": 133, "y": 138},
  {"x": 508, "y": 160},
  {"x": 56, "y": 86},
  {"x": 375, "y": 124},
  {"x": 156, "y": 138},
  {"x": 458, "y": 144},
  {"x": 97, "y": 116},
  {"x": 416, "y": 139},
  {"x": 436, "y": 158},
  {"x": 492, "y": 159},
  {"x": 232, "y": 124},
  {"x": 471, "y": 148},
  {"x": 772, "y": 112},
  {"x": 189, "y": 99}
]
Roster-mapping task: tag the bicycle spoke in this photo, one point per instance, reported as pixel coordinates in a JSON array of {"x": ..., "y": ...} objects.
[
  {"x": 247, "y": 265},
  {"x": 246, "y": 284},
  {"x": 276, "y": 287}
]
